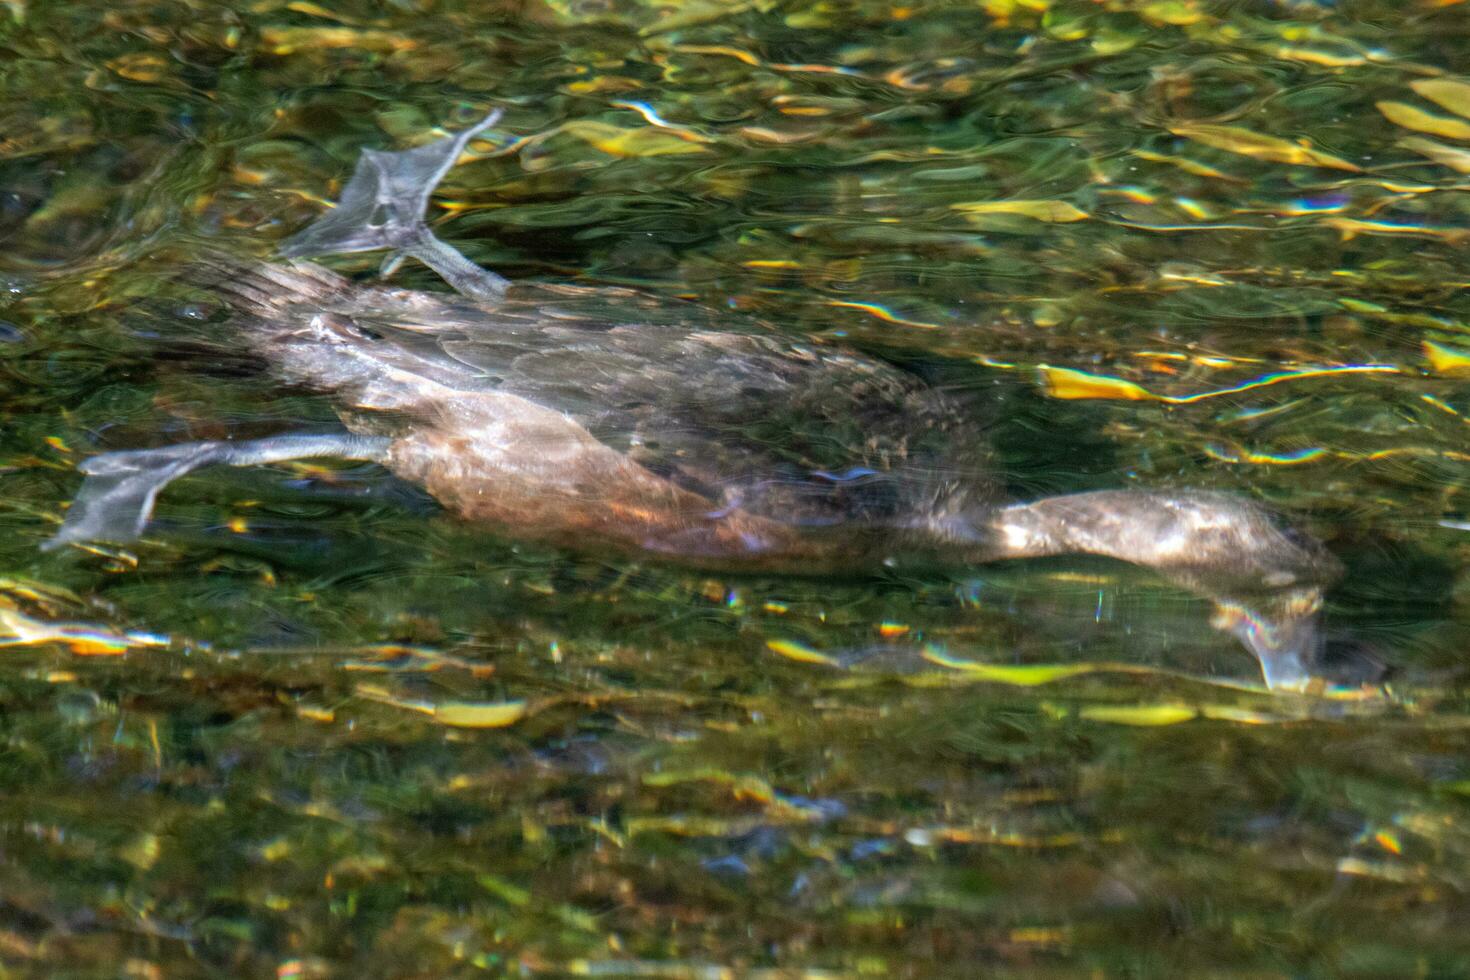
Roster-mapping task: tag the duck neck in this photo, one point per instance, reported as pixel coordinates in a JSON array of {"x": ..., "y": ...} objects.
[{"x": 1044, "y": 528}]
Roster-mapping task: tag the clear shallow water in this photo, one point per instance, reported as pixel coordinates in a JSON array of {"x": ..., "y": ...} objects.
[{"x": 304, "y": 758}]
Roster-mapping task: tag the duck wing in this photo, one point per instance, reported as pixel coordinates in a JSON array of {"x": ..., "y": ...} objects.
[{"x": 797, "y": 430}]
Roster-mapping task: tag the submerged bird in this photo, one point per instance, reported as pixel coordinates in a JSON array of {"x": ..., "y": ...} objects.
[{"x": 605, "y": 418}]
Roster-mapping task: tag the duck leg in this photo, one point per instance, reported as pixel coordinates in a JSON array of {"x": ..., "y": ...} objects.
[
  {"x": 1265, "y": 579},
  {"x": 117, "y": 496},
  {"x": 383, "y": 206}
]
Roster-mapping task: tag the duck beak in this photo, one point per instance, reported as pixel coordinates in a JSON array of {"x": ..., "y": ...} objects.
[{"x": 1282, "y": 632}]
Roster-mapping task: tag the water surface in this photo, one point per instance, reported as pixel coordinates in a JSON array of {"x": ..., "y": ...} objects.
[{"x": 314, "y": 726}]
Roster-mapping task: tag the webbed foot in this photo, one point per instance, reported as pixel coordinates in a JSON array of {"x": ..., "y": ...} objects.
[
  {"x": 117, "y": 496},
  {"x": 383, "y": 206}
]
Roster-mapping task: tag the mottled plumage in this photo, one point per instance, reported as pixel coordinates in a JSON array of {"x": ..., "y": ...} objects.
[{"x": 802, "y": 432}]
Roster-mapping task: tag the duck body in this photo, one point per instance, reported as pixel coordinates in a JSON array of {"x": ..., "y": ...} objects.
[{"x": 611, "y": 420}]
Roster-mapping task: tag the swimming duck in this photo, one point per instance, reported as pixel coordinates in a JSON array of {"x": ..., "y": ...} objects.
[{"x": 615, "y": 420}]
